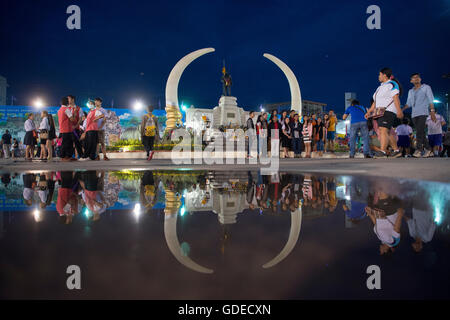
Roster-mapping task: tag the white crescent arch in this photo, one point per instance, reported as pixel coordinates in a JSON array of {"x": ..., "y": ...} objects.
[
  {"x": 177, "y": 71},
  {"x": 170, "y": 233},
  {"x": 294, "y": 233},
  {"x": 296, "y": 97}
]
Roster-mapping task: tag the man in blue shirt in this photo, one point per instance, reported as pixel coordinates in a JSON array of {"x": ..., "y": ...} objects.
[{"x": 358, "y": 122}]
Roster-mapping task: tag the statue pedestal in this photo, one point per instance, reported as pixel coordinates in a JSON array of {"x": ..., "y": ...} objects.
[{"x": 228, "y": 113}]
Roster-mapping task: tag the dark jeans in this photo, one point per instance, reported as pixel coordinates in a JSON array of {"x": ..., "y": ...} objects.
[
  {"x": 421, "y": 137},
  {"x": 148, "y": 144},
  {"x": 91, "y": 142},
  {"x": 297, "y": 145},
  {"x": 362, "y": 127},
  {"x": 67, "y": 145}
]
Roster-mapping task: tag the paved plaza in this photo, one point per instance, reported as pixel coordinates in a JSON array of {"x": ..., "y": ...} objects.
[{"x": 431, "y": 169}]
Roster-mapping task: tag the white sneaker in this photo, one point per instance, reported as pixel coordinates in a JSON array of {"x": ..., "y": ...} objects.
[
  {"x": 417, "y": 154},
  {"x": 83, "y": 159},
  {"x": 428, "y": 154}
]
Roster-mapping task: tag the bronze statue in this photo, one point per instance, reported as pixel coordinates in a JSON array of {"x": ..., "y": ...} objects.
[{"x": 226, "y": 82}]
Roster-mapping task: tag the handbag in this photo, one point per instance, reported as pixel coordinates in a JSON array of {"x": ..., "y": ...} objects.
[
  {"x": 379, "y": 112},
  {"x": 83, "y": 136},
  {"x": 43, "y": 134}
]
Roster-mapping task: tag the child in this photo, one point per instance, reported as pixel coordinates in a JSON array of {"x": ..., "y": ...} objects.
[
  {"x": 58, "y": 145},
  {"x": 434, "y": 124},
  {"x": 404, "y": 132},
  {"x": 307, "y": 133},
  {"x": 15, "y": 152}
]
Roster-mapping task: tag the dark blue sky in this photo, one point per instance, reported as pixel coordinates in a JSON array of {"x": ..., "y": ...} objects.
[{"x": 326, "y": 44}]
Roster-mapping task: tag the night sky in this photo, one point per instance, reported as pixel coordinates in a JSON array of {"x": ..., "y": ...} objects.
[{"x": 126, "y": 49}]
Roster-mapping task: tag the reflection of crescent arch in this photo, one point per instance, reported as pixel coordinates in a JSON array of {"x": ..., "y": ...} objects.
[
  {"x": 294, "y": 233},
  {"x": 170, "y": 233},
  {"x": 296, "y": 98},
  {"x": 172, "y": 108}
]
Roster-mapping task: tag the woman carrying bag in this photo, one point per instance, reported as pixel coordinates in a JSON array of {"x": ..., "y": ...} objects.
[
  {"x": 44, "y": 128},
  {"x": 385, "y": 110},
  {"x": 30, "y": 137}
]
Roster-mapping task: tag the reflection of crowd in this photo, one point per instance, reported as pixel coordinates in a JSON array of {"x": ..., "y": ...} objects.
[
  {"x": 75, "y": 190},
  {"x": 286, "y": 192},
  {"x": 386, "y": 210},
  {"x": 379, "y": 200}
]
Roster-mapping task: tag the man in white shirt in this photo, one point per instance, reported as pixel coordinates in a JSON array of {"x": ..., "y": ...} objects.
[
  {"x": 420, "y": 99},
  {"x": 421, "y": 228},
  {"x": 434, "y": 124}
]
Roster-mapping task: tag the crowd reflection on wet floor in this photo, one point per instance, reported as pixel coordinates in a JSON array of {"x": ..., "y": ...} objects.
[{"x": 387, "y": 203}]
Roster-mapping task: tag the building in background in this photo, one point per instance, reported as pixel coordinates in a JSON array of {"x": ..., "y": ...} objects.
[
  {"x": 3, "y": 86},
  {"x": 308, "y": 107},
  {"x": 349, "y": 97}
]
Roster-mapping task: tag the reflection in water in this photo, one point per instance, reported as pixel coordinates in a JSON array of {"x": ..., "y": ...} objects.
[{"x": 88, "y": 195}]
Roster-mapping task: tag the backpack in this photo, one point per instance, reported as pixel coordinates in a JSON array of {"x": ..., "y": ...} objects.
[{"x": 150, "y": 130}]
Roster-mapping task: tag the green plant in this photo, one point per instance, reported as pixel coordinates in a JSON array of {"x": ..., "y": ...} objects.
[{"x": 127, "y": 143}]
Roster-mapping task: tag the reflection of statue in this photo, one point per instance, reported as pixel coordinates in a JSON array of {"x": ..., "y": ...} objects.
[{"x": 226, "y": 82}]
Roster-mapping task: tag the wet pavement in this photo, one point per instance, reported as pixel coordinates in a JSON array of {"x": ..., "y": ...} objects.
[{"x": 200, "y": 234}]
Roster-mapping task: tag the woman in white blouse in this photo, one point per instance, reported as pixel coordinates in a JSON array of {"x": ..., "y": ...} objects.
[
  {"x": 29, "y": 139},
  {"x": 44, "y": 129}
]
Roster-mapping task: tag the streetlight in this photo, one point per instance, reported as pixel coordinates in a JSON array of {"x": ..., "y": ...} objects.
[
  {"x": 138, "y": 105},
  {"x": 38, "y": 103}
]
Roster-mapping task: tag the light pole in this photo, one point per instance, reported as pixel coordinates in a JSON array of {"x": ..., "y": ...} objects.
[{"x": 448, "y": 118}]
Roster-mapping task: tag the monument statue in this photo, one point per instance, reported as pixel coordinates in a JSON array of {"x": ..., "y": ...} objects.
[{"x": 226, "y": 82}]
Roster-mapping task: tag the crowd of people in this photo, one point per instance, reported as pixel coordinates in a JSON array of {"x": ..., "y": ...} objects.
[
  {"x": 315, "y": 133},
  {"x": 383, "y": 129},
  {"x": 81, "y": 135}
]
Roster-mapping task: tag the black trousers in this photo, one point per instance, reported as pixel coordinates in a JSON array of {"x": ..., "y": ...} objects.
[
  {"x": 148, "y": 144},
  {"x": 69, "y": 180},
  {"x": 90, "y": 179},
  {"x": 77, "y": 142},
  {"x": 67, "y": 145},
  {"x": 446, "y": 149},
  {"x": 421, "y": 137},
  {"x": 91, "y": 142}
]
